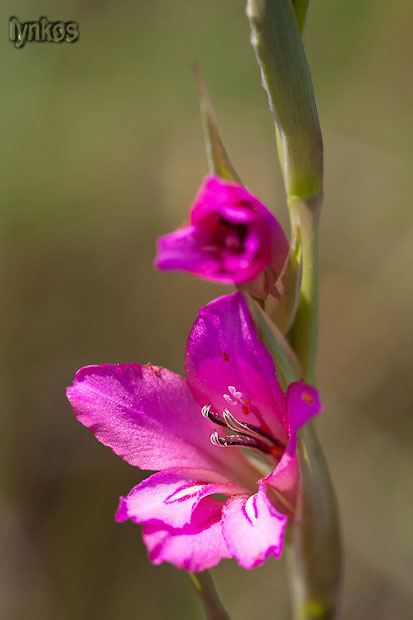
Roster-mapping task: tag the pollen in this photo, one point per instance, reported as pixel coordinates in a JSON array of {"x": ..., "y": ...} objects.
[
  {"x": 155, "y": 369},
  {"x": 307, "y": 398},
  {"x": 225, "y": 356},
  {"x": 276, "y": 451},
  {"x": 245, "y": 410}
]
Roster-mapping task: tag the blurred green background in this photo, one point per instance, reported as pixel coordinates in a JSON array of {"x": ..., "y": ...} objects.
[{"x": 102, "y": 152}]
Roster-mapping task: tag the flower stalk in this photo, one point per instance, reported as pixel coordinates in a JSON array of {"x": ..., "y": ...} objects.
[
  {"x": 315, "y": 559},
  {"x": 276, "y": 27},
  {"x": 276, "y": 39},
  {"x": 303, "y": 335},
  {"x": 205, "y": 588}
]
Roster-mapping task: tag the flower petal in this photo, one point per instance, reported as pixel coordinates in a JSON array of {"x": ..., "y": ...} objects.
[
  {"x": 303, "y": 402},
  {"x": 194, "y": 548},
  {"x": 285, "y": 478},
  {"x": 253, "y": 529},
  {"x": 183, "y": 249},
  {"x": 228, "y": 366},
  {"x": 146, "y": 414},
  {"x": 171, "y": 496},
  {"x": 235, "y": 203}
]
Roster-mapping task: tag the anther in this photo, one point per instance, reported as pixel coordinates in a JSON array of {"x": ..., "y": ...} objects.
[
  {"x": 239, "y": 441},
  {"x": 205, "y": 411},
  {"x": 213, "y": 417},
  {"x": 248, "y": 435},
  {"x": 248, "y": 429}
]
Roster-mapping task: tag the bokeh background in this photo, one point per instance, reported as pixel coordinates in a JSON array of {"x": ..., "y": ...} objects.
[{"x": 102, "y": 151}]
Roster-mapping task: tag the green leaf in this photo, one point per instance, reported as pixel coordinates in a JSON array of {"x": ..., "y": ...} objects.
[
  {"x": 218, "y": 160},
  {"x": 301, "y": 8}
]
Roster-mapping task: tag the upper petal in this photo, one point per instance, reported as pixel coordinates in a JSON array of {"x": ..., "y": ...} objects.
[
  {"x": 146, "y": 414},
  {"x": 303, "y": 402},
  {"x": 228, "y": 366},
  {"x": 253, "y": 529},
  {"x": 171, "y": 496},
  {"x": 183, "y": 249},
  {"x": 196, "y": 547},
  {"x": 236, "y": 203}
]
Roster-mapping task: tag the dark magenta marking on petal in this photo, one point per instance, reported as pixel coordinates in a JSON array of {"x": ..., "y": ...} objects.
[
  {"x": 172, "y": 497},
  {"x": 254, "y": 505},
  {"x": 245, "y": 513}
]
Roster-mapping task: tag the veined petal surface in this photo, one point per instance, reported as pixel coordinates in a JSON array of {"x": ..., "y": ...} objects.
[
  {"x": 146, "y": 414},
  {"x": 253, "y": 529},
  {"x": 171, "y": 496},
  {"x": 195, "y": 547},
  {"x": 228, "y": 367}
]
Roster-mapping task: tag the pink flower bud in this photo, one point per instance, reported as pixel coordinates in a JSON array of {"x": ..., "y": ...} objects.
[{"x": 232, "y": 238}]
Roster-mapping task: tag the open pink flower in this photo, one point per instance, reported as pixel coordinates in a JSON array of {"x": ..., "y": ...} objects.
[
  {"x": 231, "y": 238},
  {"x": 210, "y": 500}
]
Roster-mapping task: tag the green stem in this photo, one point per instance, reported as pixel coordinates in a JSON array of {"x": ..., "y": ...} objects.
[
  {"x": 286, "y": 77},
  {"x": 205, "y": 587},
  {"x": 315, "y": 559},
  {"x": 303, "y": 335},
  {"x": 276, "y": 28}
]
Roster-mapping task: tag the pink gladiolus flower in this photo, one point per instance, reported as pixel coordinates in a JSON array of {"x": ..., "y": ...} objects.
[
  {"x": 231, "y": 238},
  {"x": 210, "y": 500}
]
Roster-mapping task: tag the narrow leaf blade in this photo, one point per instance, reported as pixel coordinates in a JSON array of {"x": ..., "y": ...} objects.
[{"x": 218, "y": 160}]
